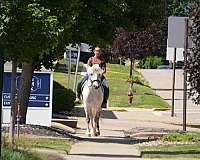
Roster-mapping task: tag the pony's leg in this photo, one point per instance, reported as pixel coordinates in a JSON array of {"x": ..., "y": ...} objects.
[
  {"x": 88, "y": 126},
  {"x": 97, "y": 122},
  {"x": 93, "y": 123}
]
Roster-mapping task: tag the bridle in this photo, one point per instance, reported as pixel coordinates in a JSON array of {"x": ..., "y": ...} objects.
[
  {"x": 96, "y": 79},
  {"x": 92, "y": 82}
]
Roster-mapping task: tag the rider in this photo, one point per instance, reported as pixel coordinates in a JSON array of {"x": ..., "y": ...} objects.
[{"x": 96, "y": 59}]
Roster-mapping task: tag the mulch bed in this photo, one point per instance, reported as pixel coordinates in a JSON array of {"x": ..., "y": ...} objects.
[{"x": 40, "y": 131}]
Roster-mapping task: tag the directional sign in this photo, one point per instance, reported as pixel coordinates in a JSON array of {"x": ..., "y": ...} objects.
[
  {"x": 40, "y": 89},
  {"x": 74, "y": 55}
]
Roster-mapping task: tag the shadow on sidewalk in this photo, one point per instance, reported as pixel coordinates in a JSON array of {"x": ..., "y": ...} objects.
[
  {"x": 107, "y": 155},
  {"x": 79, "y": 112},
  {"x": 116, "y": 140}
]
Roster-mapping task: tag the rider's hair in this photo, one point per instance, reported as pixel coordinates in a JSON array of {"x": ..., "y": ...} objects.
[{"x": 97, "y": 48}]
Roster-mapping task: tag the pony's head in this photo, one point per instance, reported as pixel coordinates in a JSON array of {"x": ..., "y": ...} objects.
[{"x": 94, "y": 76}]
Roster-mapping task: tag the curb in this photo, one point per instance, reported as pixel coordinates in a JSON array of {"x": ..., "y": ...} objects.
[
  {"x": 160, "y": 109},
  {"x": 63, "y": 127}
]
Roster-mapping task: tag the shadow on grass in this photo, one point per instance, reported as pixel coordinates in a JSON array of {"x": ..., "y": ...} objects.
[{"x": 170, "y": 152}]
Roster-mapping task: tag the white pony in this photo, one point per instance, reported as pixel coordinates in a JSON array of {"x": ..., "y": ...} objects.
[{"x": 92, "y": 96}]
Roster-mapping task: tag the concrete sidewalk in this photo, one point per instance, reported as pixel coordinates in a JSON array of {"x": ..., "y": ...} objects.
[{"x": 113, "y": 143}]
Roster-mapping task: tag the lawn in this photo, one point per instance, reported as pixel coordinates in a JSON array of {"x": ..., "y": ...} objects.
[
  {"x": 117, "y": 76},
  {"x": 61, "y": 78},
  {"x": 16, "y": 154},
  {"x": 49, "y": 143},
  {"x": 182, "y": 137},
  {"x": 174, "y": 151},
  {"x": 144, "y": 96},
  {"x": 26, "y": 144}
]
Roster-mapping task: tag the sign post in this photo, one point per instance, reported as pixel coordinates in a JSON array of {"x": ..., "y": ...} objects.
[
  {"x": 1, "y": 90},
  {"x": 185, "y": 74},
  {"x": 77, "y": 65},
  {"x": 178, "y": 38},
  {"x": 173, "y": 82}
]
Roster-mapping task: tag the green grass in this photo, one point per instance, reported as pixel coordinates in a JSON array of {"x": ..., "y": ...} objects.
[
  {"x": 182, "y": 137},
  {"x": 15, "y": 154},
  {"x": 144, "y": 96},
  {"x": 62, "y": 79},
  {"x": 176, "y": 151},
  {"x": 49, "y": 143}
]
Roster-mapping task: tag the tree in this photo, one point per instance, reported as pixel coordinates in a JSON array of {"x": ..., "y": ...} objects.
[
  {"x": 31, "y": 33},
  {"x": 43, "y": 27},
  {"x": 193, "y": 61},
  {"x": 39, "y": 30},
  {"x": 181, "y": 7},
  {"x": 136, "y": 44}
]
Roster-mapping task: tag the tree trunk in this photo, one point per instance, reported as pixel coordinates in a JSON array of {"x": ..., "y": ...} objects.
[
  {"x": 13, "y": 104},
  {"x": 25, "y": 88},
  {"x": 131, "y": 67}
]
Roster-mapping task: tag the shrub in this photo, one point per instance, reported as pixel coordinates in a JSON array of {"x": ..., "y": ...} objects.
[
  {"x": 63, "y": 98},
  {"x": 150, "y": 62}
]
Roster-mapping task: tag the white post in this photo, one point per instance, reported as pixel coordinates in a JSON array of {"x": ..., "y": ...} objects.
[
  {"x": 69, "y": 67},
  {"x": 77, "y": 65}
]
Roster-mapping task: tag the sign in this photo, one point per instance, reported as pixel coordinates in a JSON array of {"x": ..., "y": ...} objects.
[
  {"x": 179, "y": 54},
  {"x": 74, "y": 55},
  {"x": 39, "y": 110},
  {"x": 176, "y": 32},
  {"x": 40, "y": 89}
]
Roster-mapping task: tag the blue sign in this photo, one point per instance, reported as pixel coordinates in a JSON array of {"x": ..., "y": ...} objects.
[{"x": 40, "y": 89}]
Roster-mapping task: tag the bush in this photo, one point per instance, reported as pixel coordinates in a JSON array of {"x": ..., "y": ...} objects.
[
  {"x": 63, "y": 98},
  {"x": 150, "y": 62}
]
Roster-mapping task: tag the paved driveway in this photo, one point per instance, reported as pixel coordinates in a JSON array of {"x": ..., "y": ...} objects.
[{"x": 161, "y": 81}]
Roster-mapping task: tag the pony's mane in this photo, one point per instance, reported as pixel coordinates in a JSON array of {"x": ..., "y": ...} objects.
[{"x": 95, "y": 68}]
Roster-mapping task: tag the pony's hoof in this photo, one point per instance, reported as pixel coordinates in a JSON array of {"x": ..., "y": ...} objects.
[
  {"x": 88, "y": 134},
  {"x": 96, "y": 134}
]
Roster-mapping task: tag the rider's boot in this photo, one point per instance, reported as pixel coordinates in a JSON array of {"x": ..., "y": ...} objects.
[{"x": 104, "y": 104}]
